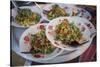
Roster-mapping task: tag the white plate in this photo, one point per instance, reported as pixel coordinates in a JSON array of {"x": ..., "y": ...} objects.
[
  {"x": 69, "y": 8},
  {"x": 14, "y": 13},
  {"x": 26, "y": 47},
  {"x": 17, "y": 32},
  {"x": 79, "y": 22}
]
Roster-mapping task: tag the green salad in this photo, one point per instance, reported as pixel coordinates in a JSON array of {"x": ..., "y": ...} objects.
[
  {"x": 26, "y": 17},
  {"x": 67, "y": 32},
  {"x": 40, "y": 43},
  {"x": 56, "y": 11}
]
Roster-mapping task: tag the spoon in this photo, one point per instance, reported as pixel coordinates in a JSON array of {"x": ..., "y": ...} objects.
[
  {"x": 42, "y": 11},
  {"x": 16, "y": 6}
]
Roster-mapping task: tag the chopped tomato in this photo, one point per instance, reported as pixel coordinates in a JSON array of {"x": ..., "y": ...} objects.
[
  {"x": 38, "y": 55},
  {"x": 26, "y": 38},
  {"x": 41, "y": 26}
]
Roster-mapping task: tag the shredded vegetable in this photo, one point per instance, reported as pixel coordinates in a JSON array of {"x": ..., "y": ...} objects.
[
  {"x": 40, "y": 43},
  {"x": 56, "y": 11},
  {"x": 67, "y": 32},
  {"x": 26, "y": 17}
]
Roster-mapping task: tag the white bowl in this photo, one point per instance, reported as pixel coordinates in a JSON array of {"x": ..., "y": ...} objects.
[{"x": 14, "y": 13}]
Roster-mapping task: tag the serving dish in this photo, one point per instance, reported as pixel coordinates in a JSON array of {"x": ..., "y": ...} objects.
[
  {"x": 79, "y": 23},
  {"x": 24, "y": 18},
  {"x": 34, "y": 44},
  {"x": 67, "y": 9}
]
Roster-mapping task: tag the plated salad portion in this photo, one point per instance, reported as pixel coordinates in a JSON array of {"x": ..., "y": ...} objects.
[
  {"x": 55, "y": 12},
  {"x": 67, "y": 32},
  {"x": 39, "y": 43},
  {"x": 34, "y": 42},
  {"x": 26, "y": 17}
]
